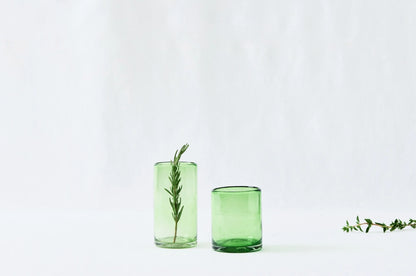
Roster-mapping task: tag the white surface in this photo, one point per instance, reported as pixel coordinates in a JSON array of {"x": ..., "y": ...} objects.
[
  {"x": 313, "y": 101},
  {"x": 120, "y": 243}
]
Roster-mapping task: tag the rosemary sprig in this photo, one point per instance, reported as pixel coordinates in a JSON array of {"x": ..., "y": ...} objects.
[
  {"x": 396, "y": 224},
  {"x": 175, "y": 190}
]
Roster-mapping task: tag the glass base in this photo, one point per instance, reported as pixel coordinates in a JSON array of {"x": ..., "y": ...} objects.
[
  {"x": 237, "y": 245},
  {"x": 181, "y": 242}
]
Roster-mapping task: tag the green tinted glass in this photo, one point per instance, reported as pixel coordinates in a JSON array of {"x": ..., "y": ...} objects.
[
  {"x": 165, "y": 227},
  {"x": 236, "y": 219}
]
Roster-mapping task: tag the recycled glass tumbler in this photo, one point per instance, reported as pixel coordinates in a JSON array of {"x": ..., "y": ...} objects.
[
  {"x": 236, "y": 219},
  {"x": 167, "y": 232}
]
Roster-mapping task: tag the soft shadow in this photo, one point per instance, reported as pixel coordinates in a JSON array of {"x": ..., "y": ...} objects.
[
  {"x": 203, "y": 245},
  {"x": 299, "y": 248}
]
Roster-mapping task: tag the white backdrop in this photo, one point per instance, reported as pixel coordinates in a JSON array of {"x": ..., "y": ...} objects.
[{"x": 312, "y": 101}]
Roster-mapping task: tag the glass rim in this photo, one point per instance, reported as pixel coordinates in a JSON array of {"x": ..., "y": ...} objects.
[
  {"x": 236, "y": 189},
  {"x": 180, "y": 162}
]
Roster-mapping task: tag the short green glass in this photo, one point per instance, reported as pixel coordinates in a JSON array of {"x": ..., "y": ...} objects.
[
  {"x": 236, "y": 219},
  {"x": 168, "y": 233}
]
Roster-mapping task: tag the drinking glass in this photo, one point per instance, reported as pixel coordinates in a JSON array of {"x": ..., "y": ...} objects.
[
  {"x": 167, "y": 232},
  {"x": 236, "y": 219}
]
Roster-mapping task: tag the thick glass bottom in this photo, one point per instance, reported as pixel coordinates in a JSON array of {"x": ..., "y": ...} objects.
[
  {"x": 181, "y": 242},
  {"x": 237, "y": 245}
]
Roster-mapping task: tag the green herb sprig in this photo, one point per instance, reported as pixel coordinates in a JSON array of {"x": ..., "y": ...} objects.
[
  {"x": 175, "y": 189},
  {"x": 396, "y": 224}
]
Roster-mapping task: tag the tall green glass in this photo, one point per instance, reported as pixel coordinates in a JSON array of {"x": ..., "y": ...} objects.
[
  {"x": 168, "y": 233},
  {"x": 236, "y": 219}
]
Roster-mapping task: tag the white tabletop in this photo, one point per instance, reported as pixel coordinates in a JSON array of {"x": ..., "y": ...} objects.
[{"x": 102, "y": 242}]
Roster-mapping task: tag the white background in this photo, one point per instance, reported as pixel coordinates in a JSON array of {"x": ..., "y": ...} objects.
[{"x": 312, "y": 101}]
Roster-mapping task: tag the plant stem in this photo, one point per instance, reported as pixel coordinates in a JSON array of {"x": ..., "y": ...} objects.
[
  {"x": 365, "y": 223},
  {"x": 175, "y": 189},
  {"x": 396, "y": 224},
  {"x": 176, "y": 230}
]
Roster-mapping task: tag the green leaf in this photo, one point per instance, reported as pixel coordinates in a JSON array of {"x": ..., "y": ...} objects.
[
  {"x": 180, "y": 213},
  {"x": 368, "y": 221},
  {"x": 368, "y": 228},
  {"x": 168, "y": 191}
]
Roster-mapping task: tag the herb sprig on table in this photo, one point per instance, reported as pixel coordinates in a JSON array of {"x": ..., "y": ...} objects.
[
  {"x": 396, "y": 224},
  {"x": 175, "y": 189}
]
